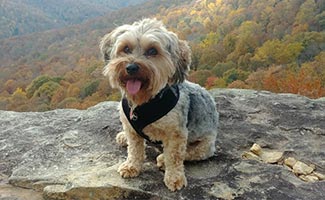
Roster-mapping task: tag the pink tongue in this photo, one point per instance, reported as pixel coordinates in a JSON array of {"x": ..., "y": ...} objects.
[{"x": 133, "y": 86}]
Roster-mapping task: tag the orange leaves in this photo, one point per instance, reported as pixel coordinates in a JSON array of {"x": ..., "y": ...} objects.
[
  {"x": 304, "y": 82},
  {"x": 200, "y": 76},
  {"x": 271, "y": 77},
  {"x": 210, "y": 82},
  {"x": 307, "y": 80},
  {"x": 238, "y": 84}
]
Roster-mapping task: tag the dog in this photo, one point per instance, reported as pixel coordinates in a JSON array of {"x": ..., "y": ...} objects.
[{"x": 149, "y": 64}]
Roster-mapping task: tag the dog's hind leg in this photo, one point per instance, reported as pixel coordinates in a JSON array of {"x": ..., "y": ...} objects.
[
  {"x": 198, "y": 150},
  {"x": 201, "y": 149}
]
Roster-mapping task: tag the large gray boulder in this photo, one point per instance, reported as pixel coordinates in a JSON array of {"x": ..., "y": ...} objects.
[{"x": 72, "y": 154}]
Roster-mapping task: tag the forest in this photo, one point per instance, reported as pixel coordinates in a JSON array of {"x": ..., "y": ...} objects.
[
  {"x": 274, "y": 45},
  {"x": 24, "y": 17}
]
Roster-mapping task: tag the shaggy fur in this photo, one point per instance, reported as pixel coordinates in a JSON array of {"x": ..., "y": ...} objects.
[{"x": 189, "y": 130}]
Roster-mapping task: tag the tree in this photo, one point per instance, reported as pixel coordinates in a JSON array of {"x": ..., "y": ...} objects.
[
  {"x": 249, "y": 36},
  {"x": 10, "y": 86},
  {"x": 320, "y": 19},
  {"x": 89, "y": 89},
  {"x": 215, "y": 82},
  {"x": 306, "y": 13},
  {"x": 200, "y": 76},
  {"x": 220, "y": 68},
  {"x": 277, "y": 52},
  {"x": 255, "y": 79},
  {"x": 58, "y": 96},
  {"x": 115, "y": 96},
  {"x": 304, "y": 81},
  {"x": 229, "y": 43},
  {"x": 36, "y": 83},
  {"x": 69, "y": 102},
  {"x": 18, "y": 101},
  {"x": 271, "y": 79},
  {"x": 47, "y": 90},
  {"x": 73, "y": 91},
  {"x": 238, "y": 84},
  {"x": 211, "y": 49},
  {"x": 235, "y": 74},
  {"x": 318, "y": 66},
  {"x": 210, "y": 82},
  {"x": 312, "y": 42}
]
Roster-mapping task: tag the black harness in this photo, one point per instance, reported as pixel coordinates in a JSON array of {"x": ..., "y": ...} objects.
[{"x": 151, "y": 111}]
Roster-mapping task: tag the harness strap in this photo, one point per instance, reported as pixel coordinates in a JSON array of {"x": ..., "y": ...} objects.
[{"x": 151, "y": 111}]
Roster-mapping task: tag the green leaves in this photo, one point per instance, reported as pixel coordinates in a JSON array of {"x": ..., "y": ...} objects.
[
  {"x": 89, "y": 89},
  {"x": 36, "y": 84},
  {"x": 42, "y": 84},
  {"x": 277, "y": 52}
]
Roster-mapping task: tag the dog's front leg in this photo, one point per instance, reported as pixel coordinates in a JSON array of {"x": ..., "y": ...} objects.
[
  {"x": 136, "y": 155},
  {"x": 174, "y": 155}
]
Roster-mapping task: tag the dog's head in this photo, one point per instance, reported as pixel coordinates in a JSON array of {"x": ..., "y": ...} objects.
[{"x": 143, "y": 57}]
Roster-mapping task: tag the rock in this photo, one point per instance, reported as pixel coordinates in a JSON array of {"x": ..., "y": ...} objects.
[
  {"x": 319, "y": 175},
  {"x": 290, "y": 162},
  {"x": 256, "y": 149},
  {"x": 72, "y": 154},
  {"x": 272, "y": 156},
  {"x": 251, "y": 156},
  {"x": 9, "y": 192},
  {"x": 267, "y": 156},
  {"x": 302, "y": 168},
  {"x": 308, "y": 178}
]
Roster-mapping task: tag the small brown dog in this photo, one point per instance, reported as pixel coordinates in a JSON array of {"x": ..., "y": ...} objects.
[{"x": 149, "y": 65}]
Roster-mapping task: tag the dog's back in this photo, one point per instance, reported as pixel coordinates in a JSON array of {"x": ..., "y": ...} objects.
[{"x": 202, "y": 116}]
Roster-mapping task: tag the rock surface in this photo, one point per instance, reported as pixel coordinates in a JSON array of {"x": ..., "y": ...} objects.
[{"x": 72, "y": 154}]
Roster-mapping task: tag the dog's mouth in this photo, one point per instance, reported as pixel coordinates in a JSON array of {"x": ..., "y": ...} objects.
[
  {"x": 133, "y": 86},
  {"x": 133, "y": 82}
]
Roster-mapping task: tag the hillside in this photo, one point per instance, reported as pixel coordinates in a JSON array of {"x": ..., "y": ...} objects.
[
  {"x": 20, "y": 17},
  {"x": 276, "y": 45},
  {"x": 242, "y": 44},
  {"x": 71, "y": 53}
]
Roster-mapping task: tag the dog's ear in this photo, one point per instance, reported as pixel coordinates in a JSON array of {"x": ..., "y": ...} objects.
[
  {"x": 107, "y": 43},
  {"x": 183, "y": 62}
]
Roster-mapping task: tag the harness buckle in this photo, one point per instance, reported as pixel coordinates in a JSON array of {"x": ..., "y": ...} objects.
[{"x": 133, "y": 116}]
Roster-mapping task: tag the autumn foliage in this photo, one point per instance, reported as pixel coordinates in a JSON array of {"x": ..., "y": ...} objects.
[{"x": 275, "y": 45}]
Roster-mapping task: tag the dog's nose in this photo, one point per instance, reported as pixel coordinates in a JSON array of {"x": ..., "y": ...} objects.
[{"x": 132, "y": 68}]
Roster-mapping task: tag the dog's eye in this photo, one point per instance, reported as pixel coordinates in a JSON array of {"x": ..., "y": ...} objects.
[
  {"x": 127, "y": 50},
  {"x": 151, "y": 52}
]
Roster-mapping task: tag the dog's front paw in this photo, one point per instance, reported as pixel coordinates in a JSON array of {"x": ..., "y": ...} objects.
[
  {"x": 127, "y": 170},
  {"x": 175, "y": 181},
  {"x": 121, "y": 139}
]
